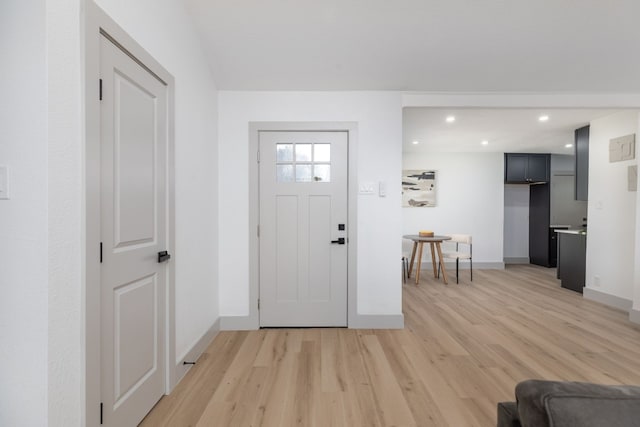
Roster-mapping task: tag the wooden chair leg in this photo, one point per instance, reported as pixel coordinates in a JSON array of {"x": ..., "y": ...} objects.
[
  {"x": 419, "y": 266},
  {"x": 404, "y": 270},
  {"x": 413, "y": 256},
  {"x": 433, "y": 261},
  {"x": 441, "y": 262}
]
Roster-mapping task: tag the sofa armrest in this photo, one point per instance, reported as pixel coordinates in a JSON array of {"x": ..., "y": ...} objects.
[
  {"x": 556, "y": 404},
  {"x": 508, "y": 415}
]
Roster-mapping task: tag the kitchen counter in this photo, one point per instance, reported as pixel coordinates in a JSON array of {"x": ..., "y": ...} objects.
[{"x": 580, "y": 231}]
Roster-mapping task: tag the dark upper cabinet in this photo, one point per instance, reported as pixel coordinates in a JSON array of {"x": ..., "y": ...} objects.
[
  {"x": 582, "y": 163},
  {"x": 515, "y": 167},
  {"x": 526, "y": 168},
  {"x": 538, "y": 167}
]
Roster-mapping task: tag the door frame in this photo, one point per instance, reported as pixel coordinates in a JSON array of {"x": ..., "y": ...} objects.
[
  {"x": 253, "y": 320},
  {"x": 98, "y": 23}
]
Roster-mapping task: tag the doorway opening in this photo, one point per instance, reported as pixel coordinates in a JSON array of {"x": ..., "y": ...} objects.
[{"x": 512, "y": 221}]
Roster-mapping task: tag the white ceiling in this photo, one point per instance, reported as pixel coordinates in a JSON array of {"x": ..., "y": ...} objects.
[
  {"x": 432, "y": 45},
  {"x": 507, "y": 130}
]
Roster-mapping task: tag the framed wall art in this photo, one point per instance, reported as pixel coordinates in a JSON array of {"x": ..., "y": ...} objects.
[{"x": 419, "y": 188}]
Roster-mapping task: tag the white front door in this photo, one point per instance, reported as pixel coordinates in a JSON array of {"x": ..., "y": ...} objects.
[
  {"x": 133, "y": 231},
  {"x": 303, "y": 228}
]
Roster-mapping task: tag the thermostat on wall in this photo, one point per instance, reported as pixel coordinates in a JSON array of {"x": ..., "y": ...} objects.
[{"x": 382, "y": 189}]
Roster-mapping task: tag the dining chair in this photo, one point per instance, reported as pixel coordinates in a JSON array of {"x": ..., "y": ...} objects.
[
  {"x": 405, "y": 268},
  {"x": 460, "y": 239}
]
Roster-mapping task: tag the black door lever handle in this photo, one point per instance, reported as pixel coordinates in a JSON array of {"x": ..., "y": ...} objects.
[
  {"x": 340, "y": 241},
  {"x": 163, "y": 256}
]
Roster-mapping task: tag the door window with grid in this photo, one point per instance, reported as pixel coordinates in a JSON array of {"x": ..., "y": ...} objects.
[{"x": 303, "y": 162}]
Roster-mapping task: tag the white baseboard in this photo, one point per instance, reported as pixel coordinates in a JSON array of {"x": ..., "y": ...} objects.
[
  {"x": 362, "y": 321},
  {"x": 607, "y": 299},
  {"x": 238, "y": 323},
  {"x": 464, "y": 265},
  {"x": 634, "y": 315},
  {"x": 378, "y": 321},
  {"x": 517, "y": 260},
  {"x": 196, "y": 351}
]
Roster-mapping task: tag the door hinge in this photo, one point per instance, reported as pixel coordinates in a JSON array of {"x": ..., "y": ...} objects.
[
  {"x": 258, "y": 230},
  {"x": 258, "y": 303},
  {"x": 258, "y": 156},
  {"x": 100, "y": 252},
  {"x": 101, "y": 413},
  {"x": 100, "y": 89}
]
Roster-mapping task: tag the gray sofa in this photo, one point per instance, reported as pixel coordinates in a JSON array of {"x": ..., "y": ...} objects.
[{"x": 571, "y": 404}]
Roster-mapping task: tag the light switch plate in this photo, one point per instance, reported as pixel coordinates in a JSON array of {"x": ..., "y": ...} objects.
[
  {"x": 4, "y": 182},
  {"x": 367, "y": 188}
]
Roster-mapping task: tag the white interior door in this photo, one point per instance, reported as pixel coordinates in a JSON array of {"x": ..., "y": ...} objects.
[
  {"x": 133, "y": 231},
  {"x": 303, "y": 216}
]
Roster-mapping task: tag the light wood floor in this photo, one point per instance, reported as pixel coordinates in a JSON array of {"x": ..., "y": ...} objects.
[{"x": 463, "y": 349}]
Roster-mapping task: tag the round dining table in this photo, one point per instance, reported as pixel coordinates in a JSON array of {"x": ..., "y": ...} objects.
[{"x": 435, "y": 243}]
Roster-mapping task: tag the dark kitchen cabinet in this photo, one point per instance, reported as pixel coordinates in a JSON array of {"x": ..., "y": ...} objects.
[
  {"x": 515, "y": 167},
  {"x": 543, "y": 240},
  {"x": 553, "y": 245},
  {"x": 538, "y": 167},
  {"x": 526, "y": 168},
  {"x": 572, "y": 255},
  {"x": 582, "y": 163},
  {"x": 539, "y": 217}
]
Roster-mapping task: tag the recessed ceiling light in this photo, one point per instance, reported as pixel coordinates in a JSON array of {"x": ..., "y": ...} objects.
[
  {"x": 568, "y": 145},
  {"x": 543, "y": 118},
  {"x": 450, "y": 119},
  {"x": 416, "y": 142},
  {"x": 485, "y": 142}
]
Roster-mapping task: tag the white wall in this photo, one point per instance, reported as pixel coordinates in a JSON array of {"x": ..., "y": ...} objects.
[
  {"x": 469, "y": 200},
  {"x": 611, "y": 210},
  {"x": 516, "y": 222},
  {"x": 65, "y": 244},
  {"x": 23, "y": 218},
  {"x": 164, "y": 30},
  {"x": 379, "y": 117}
]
